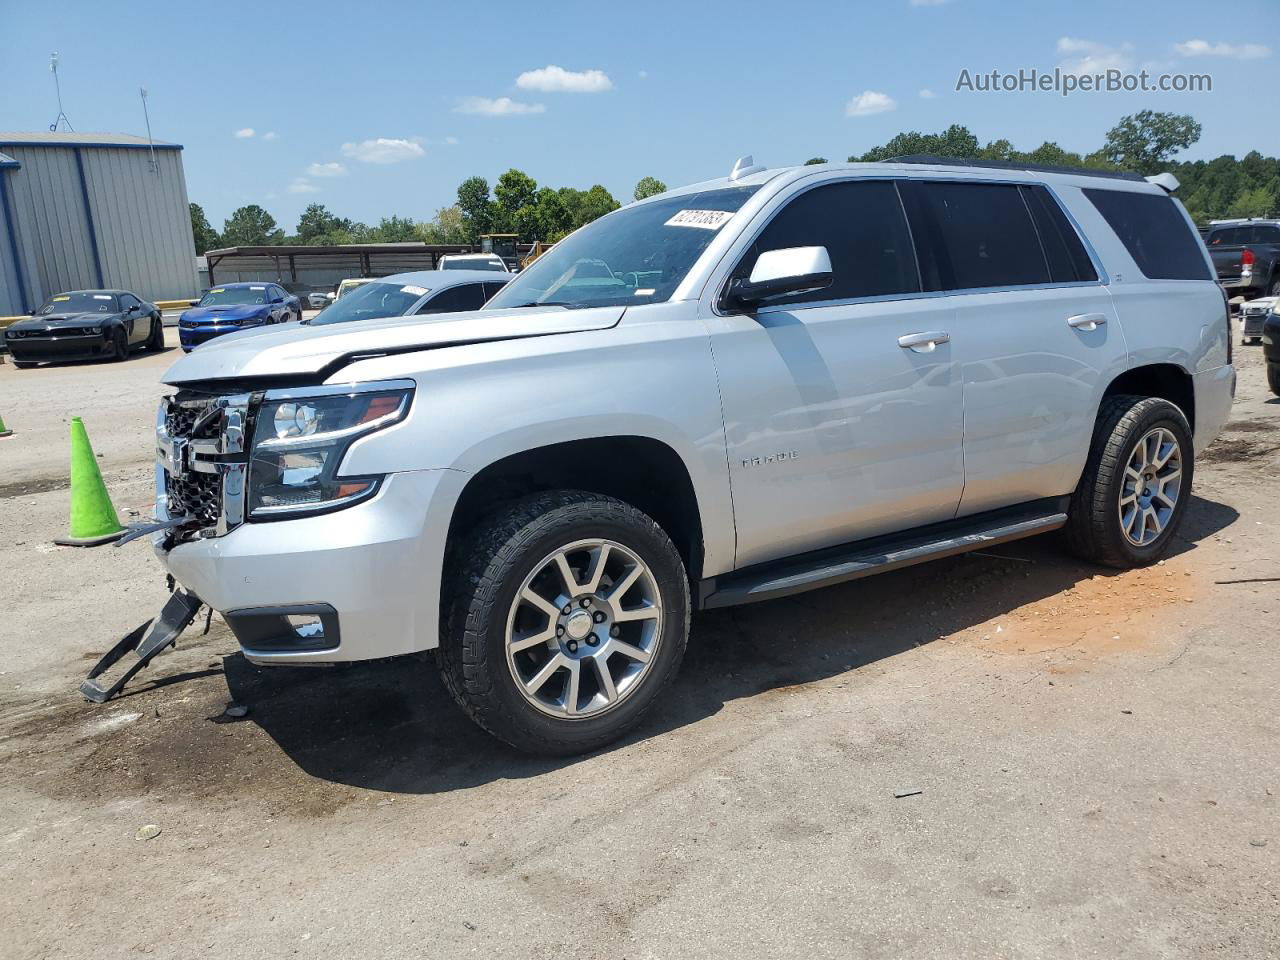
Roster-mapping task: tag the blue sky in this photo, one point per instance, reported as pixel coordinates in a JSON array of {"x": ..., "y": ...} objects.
[{"x": 676, "y": 90}]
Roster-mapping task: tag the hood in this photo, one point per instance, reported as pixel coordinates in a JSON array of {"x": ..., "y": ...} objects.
[
  {"x": 294, "y": 350},
  {"x": 64, "y": 320},
  {"x": 242, "y": 311}
]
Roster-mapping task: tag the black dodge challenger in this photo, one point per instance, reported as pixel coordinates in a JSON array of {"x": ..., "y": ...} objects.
[{"x": 83, "y": 325}]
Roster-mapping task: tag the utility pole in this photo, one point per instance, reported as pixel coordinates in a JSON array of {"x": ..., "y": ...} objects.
[
  {"x": 142, "y": 92},
  {"x": 62, "y": 116}
]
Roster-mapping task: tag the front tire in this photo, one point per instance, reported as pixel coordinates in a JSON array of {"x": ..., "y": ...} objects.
[
  {"x": 1273, "y": 378},
  {"x": 1136, "y": 484},
  {"x": 155, "y": 342},
  {"x": 119, "y": 345},
  {"x": 567, "y": 619}
]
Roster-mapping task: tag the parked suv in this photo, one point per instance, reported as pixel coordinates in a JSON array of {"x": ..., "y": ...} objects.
[
  {"x": 780, "y": 380},
  {"x": 1246, "y": 256}
]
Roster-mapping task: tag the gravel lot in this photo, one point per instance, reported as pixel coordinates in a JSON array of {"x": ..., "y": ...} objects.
[{"x": 1097, "y": 755}]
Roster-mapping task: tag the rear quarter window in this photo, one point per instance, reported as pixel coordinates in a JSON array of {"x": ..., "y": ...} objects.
[{"x": 1155, "y": 233}]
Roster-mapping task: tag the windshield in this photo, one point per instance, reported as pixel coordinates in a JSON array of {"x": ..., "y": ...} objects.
[
  {"x": 479, "y": 264},
  {"x": 372, "y": 300},
  {"x": 637, "y": 255},
  {"x": 79, "y": 303},
  {"x": 233, "y": 296}
]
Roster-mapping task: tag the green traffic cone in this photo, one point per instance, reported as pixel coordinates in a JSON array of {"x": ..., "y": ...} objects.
[
  {"x": 4, "y": 431},
  {"x": 93, "y": 518}
]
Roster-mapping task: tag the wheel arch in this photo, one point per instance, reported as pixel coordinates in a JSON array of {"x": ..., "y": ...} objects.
[
  {"x": 642, "y": 471},
  {"x": 1168, "y": 381}
]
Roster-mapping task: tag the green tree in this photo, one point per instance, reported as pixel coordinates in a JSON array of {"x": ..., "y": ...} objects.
[
  {"x": 251, "y": 226},
  {"x": 554, "y": 219},
  {"x": 1253, "y": 203},
  {"x": 591, "y": 204},
  {"x": 649, "y": 187},
  {"x": 317, "y": 225},
  {"x": 476, "y": 206},
  {"x": 205, "y": 236},
  {"x": 814, "y": 161},
  {"x": 955, "y": 141},
  {"x": 1147, "y": 140},
  {"x": 395, "y": 230},
  {"x": 447, "y": 226},
  {"x": 514, "y": 190}
]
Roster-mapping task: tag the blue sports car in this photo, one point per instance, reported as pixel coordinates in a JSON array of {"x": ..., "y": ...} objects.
[{"x": 236, "y": 306}]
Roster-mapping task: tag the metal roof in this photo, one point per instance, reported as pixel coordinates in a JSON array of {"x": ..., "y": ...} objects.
[
  {"x": 47, "y": 138},
  {"x": 342, "y": 249}
]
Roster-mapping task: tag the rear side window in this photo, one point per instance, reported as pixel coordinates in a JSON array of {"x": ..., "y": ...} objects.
[
  {"x": 1063, "y": 252},
  {"x": 1266, "y": 234},
  {"x": 861, "y": 224},
  {"x": 974, "y": 235},
  {"x": 491, "y": 288},
  {"x": 465, "y": 296},
  {"x": 1155, "y": 233},
  {"x": 1229, "y": 236}
]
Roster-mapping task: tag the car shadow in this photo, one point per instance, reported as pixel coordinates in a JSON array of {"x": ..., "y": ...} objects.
[{"x": 391, "y": 725}]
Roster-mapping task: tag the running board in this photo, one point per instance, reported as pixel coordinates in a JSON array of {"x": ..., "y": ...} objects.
[{"x": 851, "y": 562}]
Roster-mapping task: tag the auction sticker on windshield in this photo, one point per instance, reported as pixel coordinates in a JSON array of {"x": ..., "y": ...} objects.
[
  {"x": 415, "y": 291},
  {"x": 702, "y": 219}
]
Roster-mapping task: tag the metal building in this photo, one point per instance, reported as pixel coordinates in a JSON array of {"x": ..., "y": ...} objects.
[{"x": 85, "y": 210}]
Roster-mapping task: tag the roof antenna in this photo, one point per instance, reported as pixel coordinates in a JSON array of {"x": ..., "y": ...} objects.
[
  {"x": 155, "y": 167},
  {"x": 62, "y": 116}
]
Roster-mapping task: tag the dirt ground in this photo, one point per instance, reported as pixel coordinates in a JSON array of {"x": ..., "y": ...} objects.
[{"x": 1096, "y": 754}]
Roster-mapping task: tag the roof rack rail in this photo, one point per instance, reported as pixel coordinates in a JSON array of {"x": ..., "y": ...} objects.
[{"x": 925, "y": 158}]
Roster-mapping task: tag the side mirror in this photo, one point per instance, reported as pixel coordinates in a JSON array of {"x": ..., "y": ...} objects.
[{"x": 779, "y": 273}]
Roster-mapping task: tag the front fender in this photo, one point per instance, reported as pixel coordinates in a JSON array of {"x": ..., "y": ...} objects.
[{"x": 481, "y": 403}]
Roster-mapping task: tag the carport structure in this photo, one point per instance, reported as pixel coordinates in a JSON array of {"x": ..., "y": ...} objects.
[{"x": 294, "y": 262}]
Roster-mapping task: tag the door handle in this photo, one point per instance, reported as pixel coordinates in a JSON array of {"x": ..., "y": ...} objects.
[
  {"x": 923, "y": 342},
  {"x": 1087, "y": 321}
]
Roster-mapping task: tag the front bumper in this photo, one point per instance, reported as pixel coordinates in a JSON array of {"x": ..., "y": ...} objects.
[
  {"x": 64, "y": 347},
  {"x": 1252, "y": 323},
  {"x": 377, "y": 565}
]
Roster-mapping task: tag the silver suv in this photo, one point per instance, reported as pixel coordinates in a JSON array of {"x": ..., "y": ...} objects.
[{"x": 727, "y": 393}]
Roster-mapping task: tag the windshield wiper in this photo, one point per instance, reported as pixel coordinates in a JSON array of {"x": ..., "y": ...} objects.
[{"x": 544, "y": 303}]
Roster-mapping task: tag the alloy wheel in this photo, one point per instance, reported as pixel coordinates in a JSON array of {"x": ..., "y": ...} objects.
[
  {"x": 1150, "y": 487},
  {"x": 584, "y": 629}
]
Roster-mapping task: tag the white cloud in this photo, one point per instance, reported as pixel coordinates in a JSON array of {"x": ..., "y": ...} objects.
[
  {"x": 869, "y": 102},
  {"x": 245, "y": 133},
  {"x": 1235, "y": 51},
  {"x": 501, "y": 107},
  {"x": 271, "y": 135},
  {"x": 384, "y": 150},
  {"x": 1089, "y": 56},
  {"x": 553, "y": 79},
  {"x": 303, "y": 185},
  {"x": 643, "y": 74},
  {"x": 452, "y": 141},
  {"x": 927, "y": 94},
  {"x": 334, "y": 169}
]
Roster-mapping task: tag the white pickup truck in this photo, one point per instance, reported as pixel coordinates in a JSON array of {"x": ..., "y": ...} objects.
[{"x": 726, "y": 393}]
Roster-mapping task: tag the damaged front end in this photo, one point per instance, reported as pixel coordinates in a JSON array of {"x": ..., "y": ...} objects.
[{"x": 202, "y": 460}]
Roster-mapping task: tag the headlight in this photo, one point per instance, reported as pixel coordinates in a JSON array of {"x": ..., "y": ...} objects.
[
  {"x": 95, "y": 330},
  {"x": 299, "y": 442},
  {"x": 13, "y": 334}
]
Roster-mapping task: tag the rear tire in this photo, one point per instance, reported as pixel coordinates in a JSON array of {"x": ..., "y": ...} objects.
[
  {"x": 1273, "y": 288},
  {"x": 514, "y": 585},
  {"x": 1130, "y": 501},
  {"x": 1273, "y": 378}
]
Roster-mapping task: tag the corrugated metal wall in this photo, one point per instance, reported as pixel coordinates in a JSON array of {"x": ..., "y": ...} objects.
[
  {"x": 136, "y": 219},
  {"x": 10, "y": 290},
  {"x": 143, "y": 221}
]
